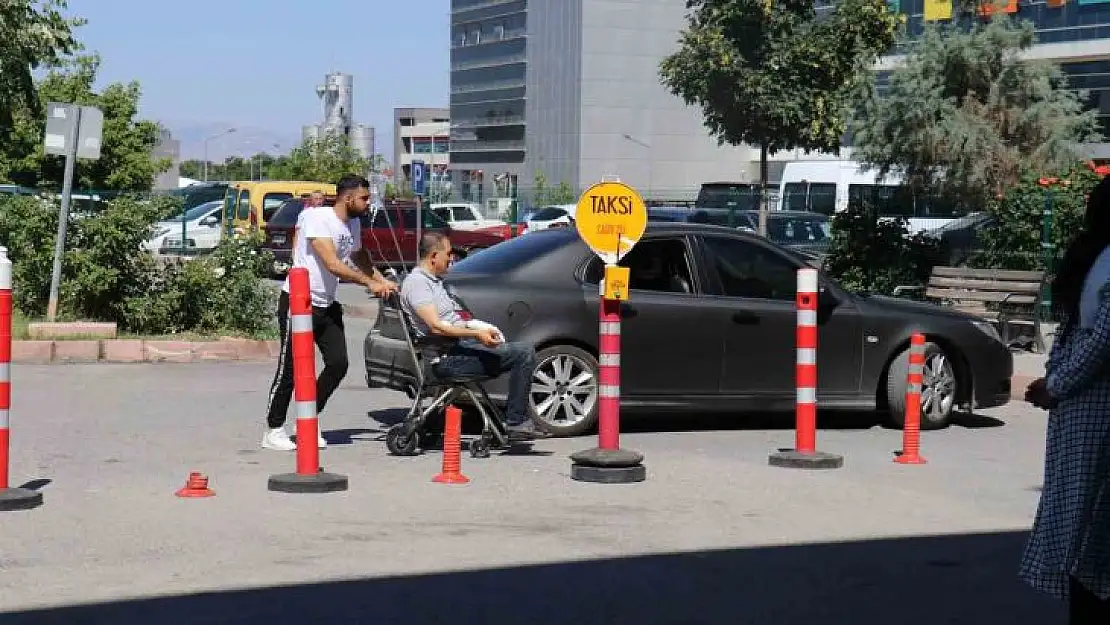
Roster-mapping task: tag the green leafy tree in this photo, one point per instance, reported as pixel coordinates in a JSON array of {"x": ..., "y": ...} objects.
[
  {"x": 965, "y": 116},
  {"x": 870, "y": 254},
  {"x": 1013, "y": 240},
  {"x": 33, "y": 34},
  {"x": 545, "y": 195},
  {"x": 325, "y": 159},
  {"x": 260, "y": 166},
  {"x": 774, "y": 75},
  {"x": 126, "y": 162}
]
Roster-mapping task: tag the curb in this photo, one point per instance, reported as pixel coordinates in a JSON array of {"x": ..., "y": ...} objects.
[{"x": 142, "y": 351}]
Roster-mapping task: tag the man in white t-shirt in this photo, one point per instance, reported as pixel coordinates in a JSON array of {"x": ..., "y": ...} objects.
[{"x": 328, "y": 243}]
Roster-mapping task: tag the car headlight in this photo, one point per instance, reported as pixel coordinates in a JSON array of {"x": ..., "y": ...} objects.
[{"x": 988, "y": 328}]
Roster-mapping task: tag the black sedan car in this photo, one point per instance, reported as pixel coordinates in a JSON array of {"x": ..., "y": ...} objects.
[{"x": 709, "y": 326}]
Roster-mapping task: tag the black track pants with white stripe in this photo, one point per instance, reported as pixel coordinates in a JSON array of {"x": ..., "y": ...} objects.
[{"x": 327, "y": 329}]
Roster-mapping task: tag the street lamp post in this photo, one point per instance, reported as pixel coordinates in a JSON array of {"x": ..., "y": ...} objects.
[
  {"x": 646, "y": 146},
  {"x": 206, "y": 140}
]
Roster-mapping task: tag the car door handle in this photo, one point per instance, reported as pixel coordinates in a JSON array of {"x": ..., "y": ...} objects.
[{"x": 745, "y": 318}]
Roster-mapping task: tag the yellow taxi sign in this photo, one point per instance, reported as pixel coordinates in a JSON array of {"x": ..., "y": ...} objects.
[
  {"x": 616, "y": 283},
  {"x": 611, "y": 217}
]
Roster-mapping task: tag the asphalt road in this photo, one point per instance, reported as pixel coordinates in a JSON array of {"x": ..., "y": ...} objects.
[{"x": 714, "y": 535}]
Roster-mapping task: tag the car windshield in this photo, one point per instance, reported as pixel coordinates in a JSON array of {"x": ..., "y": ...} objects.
[
  {"x": 727, "y": 195},
  {"x": 287, "y": 214},
  {"x": 510, "y": 254},
  {"x": 549, "y": 213},
  {"x": 197, "y": 211}
]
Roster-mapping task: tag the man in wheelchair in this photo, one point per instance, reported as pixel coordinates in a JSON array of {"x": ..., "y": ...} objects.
[{"x": 472, "y": 349}]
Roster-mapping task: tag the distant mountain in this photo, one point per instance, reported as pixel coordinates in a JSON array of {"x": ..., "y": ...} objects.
[{"x": 246, "y": 140}]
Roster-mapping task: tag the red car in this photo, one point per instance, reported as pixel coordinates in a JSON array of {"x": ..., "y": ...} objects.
[
  {"x": 390, "y": 235},
  {"x": 279, "y": 231}
]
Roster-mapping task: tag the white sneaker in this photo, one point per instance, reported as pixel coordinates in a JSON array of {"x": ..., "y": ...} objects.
[
  {"x": 321, "y": 443},
  {"x": 277, "y": 439}
]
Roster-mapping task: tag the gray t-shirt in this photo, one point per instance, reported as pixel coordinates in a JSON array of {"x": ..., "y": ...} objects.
[{"x": 421, "y": 288}]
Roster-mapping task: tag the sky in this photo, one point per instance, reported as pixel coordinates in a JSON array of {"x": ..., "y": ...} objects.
[{"x": 207, "y": 65}]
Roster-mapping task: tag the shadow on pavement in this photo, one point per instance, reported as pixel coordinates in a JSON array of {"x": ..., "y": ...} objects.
[
  {"x": 639, "y": 421},
  {"x": 955, "y": 580}
]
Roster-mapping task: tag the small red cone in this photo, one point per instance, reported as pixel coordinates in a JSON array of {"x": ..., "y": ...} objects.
[{"x": 196, "y": 486}]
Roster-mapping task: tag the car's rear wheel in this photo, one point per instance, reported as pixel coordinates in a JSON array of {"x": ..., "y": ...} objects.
[
  {"x": 939, "y": 388},
  {"x": 563, "y": 396}
]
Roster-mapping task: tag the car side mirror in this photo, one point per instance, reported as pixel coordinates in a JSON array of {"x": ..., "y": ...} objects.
[{"x": 210, "y": 221}]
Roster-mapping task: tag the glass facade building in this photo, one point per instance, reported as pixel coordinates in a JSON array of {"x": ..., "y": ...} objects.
[{"x": 488, "y": 88}]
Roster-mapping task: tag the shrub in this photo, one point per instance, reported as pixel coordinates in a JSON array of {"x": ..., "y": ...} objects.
[
  {"x": 1013, "y": 241},
  {"x": 107, "y": 276},
  {"x": 873, "y": 255}
]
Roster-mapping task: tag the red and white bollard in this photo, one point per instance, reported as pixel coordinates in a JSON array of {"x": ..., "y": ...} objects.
[
  {"x": 911, "y": 429},
  {"x": 805, "y": 454},
  {"x": 608, "y": 463},
  {"x": 10, "y": 498},
  {"x": 309, "y": 478}
]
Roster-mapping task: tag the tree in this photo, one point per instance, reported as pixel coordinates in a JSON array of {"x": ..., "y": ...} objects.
[
  {"x": 965, "y": 116},
  {"x": 33, "y": 34},
  {"x": 543, "y": 195},
  {"x": 125, "y": 163},
  {"x": 325, "y": 159},
  {"x": 261, "y": 166},
  {"x": 774, "y": 74}
]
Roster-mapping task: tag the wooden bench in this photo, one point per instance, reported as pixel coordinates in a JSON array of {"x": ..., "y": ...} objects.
[{"x": 1003, "y": 296}]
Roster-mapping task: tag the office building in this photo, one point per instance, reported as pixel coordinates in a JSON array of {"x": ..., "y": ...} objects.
[
  {"x": 570, "y": 88},
  {"x": 420, "y": 134}
]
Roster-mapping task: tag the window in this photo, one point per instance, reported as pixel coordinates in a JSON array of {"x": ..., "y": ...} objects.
[
  {"x": 408, "y": 217},
  {"x": 749, "y": 270},
  {"x": 822, "y": 198},
  {"x": 462, "y": 213},
  {"x": 794, "y": 196},
  {"x": 660, "y": 265},
  {"x": 798, "y": 229},
  {"x": 286, "y": 215},
  {"x": 271, "y": 202},
  {"x": 243, "y": 211}
]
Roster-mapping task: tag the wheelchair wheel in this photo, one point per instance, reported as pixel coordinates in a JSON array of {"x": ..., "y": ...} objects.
[
  {"x": 479, "y": 448},
  {"x": 399, "y": 444}
]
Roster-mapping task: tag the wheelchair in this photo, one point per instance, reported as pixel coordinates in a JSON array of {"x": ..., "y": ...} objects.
[{"x": 411, "y": 435}]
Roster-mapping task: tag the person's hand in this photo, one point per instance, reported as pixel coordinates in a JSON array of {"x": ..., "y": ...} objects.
[
  {"x": 382, "y": 288},
  {"x": 489, "y": 337},
  {"x": 1037, "y": 394}
]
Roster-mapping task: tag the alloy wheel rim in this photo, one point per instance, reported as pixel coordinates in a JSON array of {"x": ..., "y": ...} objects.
[
  {"x": 938, "y": 387},
  {"x": 564, "y": 390}
]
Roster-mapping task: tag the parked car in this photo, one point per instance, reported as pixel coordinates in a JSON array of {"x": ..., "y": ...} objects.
[
  {"x": 960, "y": 238},
  {"x": 709, "y": 326},
  {"x": 556, "y": 216},
  {"x": 464, "y": 216},
  {"x": 390, "y": 233},
  {"x": 279, "y": 230},
  {"x": 202, "y": 231},
  {"x": 809, "y": 234}
]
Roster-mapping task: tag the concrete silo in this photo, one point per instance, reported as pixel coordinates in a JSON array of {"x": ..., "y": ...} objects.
[
  {"x": 337, "y": 97},
  {"x": 362, "y": 140}
]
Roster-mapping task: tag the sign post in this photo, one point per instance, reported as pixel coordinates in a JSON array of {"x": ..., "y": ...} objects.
[
  {"x": 74, "y": 132},
  {"x": 611, "y": 218},
  {"x": 419, "y": 178}
]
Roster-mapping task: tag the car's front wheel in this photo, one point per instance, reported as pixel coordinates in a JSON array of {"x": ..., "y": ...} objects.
[
  {"x": 563, "y": 395},
  {"x": 939, "y": 388}
]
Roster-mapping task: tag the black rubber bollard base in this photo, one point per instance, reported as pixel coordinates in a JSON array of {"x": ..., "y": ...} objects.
[
  {"x": 297, "y": 483},
  {"x": 608, "y": 466},
  {"x": 19, "y": 499},
  {"x": 792, "y": 459}
]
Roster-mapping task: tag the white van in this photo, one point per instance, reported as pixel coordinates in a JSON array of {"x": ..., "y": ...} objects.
[{"x": 828, "y": 186}]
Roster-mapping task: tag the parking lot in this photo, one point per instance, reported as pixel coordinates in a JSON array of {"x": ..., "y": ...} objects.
[{"x": 713, "y": 534}]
